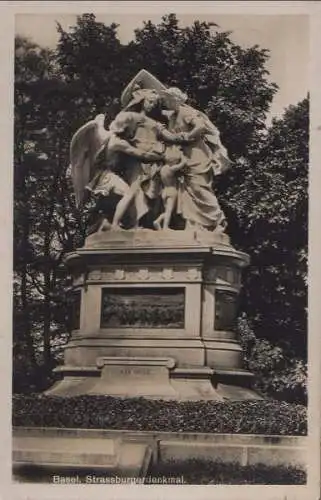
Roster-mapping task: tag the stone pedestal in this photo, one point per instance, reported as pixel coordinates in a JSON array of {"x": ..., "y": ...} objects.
[{"x": 154, "y": 317}]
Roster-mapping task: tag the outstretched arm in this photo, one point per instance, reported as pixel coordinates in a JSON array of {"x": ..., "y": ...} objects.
[
  {"x": 168, "y": 136},
  {"x": 122, "y": 146},
  {"x": 199, "y": 128}
]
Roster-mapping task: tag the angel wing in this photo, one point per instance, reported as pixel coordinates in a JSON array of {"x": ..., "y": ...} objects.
[{"x": 86, "y": 144}]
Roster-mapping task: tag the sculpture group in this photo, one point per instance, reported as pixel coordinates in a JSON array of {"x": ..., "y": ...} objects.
[
  {"x": 158, "y": 162},
  {"x": 156, "y": 282}
]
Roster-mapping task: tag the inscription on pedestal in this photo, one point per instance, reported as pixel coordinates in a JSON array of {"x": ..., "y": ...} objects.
[
  {"x": 138, "y": 372},
  {"x": 147, "y": 307}
]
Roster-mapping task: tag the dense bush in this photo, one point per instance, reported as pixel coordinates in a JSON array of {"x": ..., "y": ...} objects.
[
  {"x": 104, "y": 412},
  {"x": 197, "y": 471},
  {"x": 276, "y": 374}
]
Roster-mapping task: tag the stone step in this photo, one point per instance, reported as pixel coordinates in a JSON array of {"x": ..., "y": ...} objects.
[
  {"x": 107, "y": 446},
  {"x": 42, "y": 457},
  {"x": 65, "y": 451},
  {"x": 131, "y": 458},
  {"x": 134, "y": 458}
]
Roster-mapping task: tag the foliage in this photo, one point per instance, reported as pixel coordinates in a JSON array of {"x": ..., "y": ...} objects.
[
  {"x": 275, "y": 373},
  {"x": 44, "y": 223},
  {"x": 226, "y": 81},
  {"x": 103, "y": 412},
  {"x": 269, "y": 218},
  {"x": 197, "y": 471}
]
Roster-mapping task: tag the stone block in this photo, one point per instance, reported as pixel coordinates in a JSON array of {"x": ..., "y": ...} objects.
[
  {"x": 130, "y": 377},
  {"x": 194, "y": 384},
  {"x": 276, "y": 455},
  {"x": 180, "y": 451}
]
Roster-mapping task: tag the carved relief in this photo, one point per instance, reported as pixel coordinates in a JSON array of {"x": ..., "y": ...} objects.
[
  {"x": 193, "y": 273},
  {"x": 119, "y": 274},
  {"x": 167, "y": 273},
  {"x": 147, "y": 307},
  {"x": 143, "y": 274},
  {"x": 95, "y": 275}
]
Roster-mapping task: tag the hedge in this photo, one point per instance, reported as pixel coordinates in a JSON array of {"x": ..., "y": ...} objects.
[
  {"x": 104, "y": 412},
  {"x": 197, "y": 471}
]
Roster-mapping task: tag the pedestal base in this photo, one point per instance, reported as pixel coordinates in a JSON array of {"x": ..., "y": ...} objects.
[
  {"x": 155, "y": 317},
  {"x": 150, "y": 378}
]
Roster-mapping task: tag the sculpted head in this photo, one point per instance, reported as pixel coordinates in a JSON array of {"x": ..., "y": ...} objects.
[
  {"x": 144, "y": 99},
  {"x": 173, "y": 98},
  {"x": 125, "y": 123},
  {"x": 151, "y": 100}
]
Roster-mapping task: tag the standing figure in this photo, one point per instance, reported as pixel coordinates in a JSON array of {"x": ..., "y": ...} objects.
[
  {"x": 175, "y": 161},
  {"x": 206, "y": 156},
  {"x": 151, "y": 137}
]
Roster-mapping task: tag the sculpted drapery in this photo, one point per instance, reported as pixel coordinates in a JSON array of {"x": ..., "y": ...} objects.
[{"x": 161, "y": 157}]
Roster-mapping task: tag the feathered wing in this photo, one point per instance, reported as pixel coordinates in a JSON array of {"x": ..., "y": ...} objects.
[{"x": 85, "y": 146}]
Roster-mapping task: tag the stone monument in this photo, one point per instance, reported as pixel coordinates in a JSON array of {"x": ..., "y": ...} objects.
[{"x": 156, "y": 283}]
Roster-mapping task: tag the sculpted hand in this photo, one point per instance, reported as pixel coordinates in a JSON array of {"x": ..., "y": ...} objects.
[
  {"x": 184, "y": 137},
  {"x": 152, "y": 156}
]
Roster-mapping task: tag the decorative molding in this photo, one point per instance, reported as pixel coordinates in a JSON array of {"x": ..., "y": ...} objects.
[
  {"x": 96, "y": 275},
  {"x": 167, "y": 273},
  {"x": 193, "y": 273},
  {"x": 119, "y": 274},
  {"x": 152, "y": 274},
  {"x": 143, "y": 274}
]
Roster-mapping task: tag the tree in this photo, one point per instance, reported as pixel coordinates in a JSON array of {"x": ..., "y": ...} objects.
[
  {"x": 31, "y": 64},
  {"x": 91, "y": 60},
  {"x": 229, "y": 83},
  {"x": 270, "y": 222},
  {"x": 41, "y": 203}
]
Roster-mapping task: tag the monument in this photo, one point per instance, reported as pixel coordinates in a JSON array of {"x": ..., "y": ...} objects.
[{"x": 156, "y": 284}]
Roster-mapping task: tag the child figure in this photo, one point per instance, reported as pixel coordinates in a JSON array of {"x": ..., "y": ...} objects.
[{"x": 174, "y": 162}]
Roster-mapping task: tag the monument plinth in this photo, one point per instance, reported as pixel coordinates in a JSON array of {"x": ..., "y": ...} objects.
[
  {"x": 156, "y": 316},
  {"x": 156, "y": 284}
]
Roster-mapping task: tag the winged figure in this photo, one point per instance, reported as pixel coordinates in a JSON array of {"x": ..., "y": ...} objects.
[
  {"x": 137, "y": 141},
  {"x": 86, "y": 144}
]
